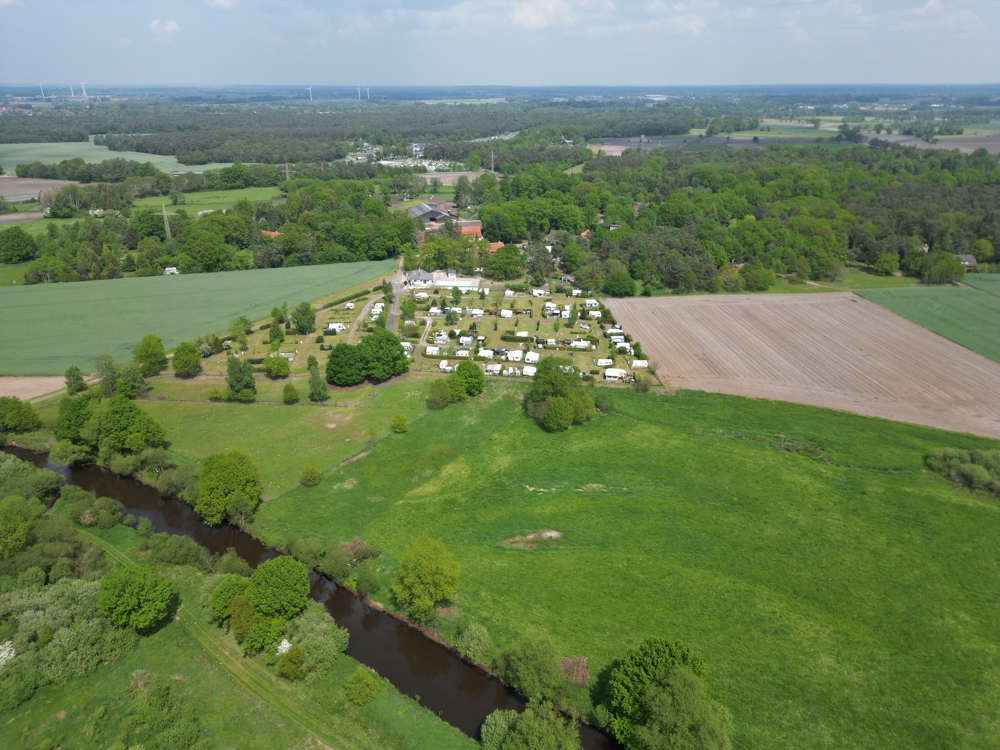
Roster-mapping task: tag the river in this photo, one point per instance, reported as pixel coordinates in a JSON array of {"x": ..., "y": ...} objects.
[{"x": 459, "y": 693}]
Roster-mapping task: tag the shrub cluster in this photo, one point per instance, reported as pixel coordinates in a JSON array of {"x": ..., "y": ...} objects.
[
  {"x": 379, "y": 357},
  {"x": 978, "y": 470},
  {"x": 556, "y": 398}
]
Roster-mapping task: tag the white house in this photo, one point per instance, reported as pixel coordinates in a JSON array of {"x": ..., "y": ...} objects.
[
  {"x": 550, "y": 342},
  {"x": 475, "y": 312},
  {"x": 432, "y": 351},
  {"x": 350, "y": 305},
  {"x": 591, "y": 303},
  {"x": 419, "y": 297},
  {"x": 531, "y": 358},
  {"x": 595, "y": 314},
  {"x": 537, "y": 292},
  {"x": 605, "y": 362},
  {"x": 506, "y": 313},
  {"x": 564, "y": 314},
  {"x": 522, "y": 334},
  {"x": 577, "y": 292},
  {"x": 462, "y": 353},
  {"x": 638, "y": 364},
  {"x": 465, "y": 340},
  {"x": 493, "y": 369},
  {"x": 486, "y": 353},
  {"x": 580, "y": 345},
  {"x": 615, "y": 373},
  {"x": 443, "y": 366},
  {"x": 335, "y": 328},
  {"x": 171, "y": 271},
  {"x": 434, "y": 311},
  {"x": 514, "y": 355},
  {"x": 456, "y": 310},
  {"x": 529, "y": 372},
  {"x": 508, "y": 293},
  {"x": 617, "y": 339}
]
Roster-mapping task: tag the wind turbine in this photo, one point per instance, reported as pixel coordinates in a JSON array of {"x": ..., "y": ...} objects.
[
  {"x": 84, "y": 89},
  {"x": 368, "y": 91},
  {"x": 72, "y": 94},
  {"x": 310, "y": 93},
  {"x": 43, "y": 90},
  {"x": 359, "y": 93}
]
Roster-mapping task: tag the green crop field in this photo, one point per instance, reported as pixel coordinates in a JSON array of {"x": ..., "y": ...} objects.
[
  {"x": 12, "y": 154},
  {"x": 966, "y": 316},
  {"x": 48, "y": 327},
  {"x": 987, "y": 282},
  {"x": 839, "y": 591},
  {"x": 216, "y": 200},
  {"x": 239, "y": 702}
]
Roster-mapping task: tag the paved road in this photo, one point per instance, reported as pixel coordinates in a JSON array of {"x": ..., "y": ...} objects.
[
  {"x": 362, "y": 317},
  {"x": 397, "y": 292}
]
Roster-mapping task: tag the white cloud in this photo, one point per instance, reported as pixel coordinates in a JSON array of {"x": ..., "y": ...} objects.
[
  {"x": 540, "y": 14},
  {"x": 227, "y": 4},
  {"x": 929, "y": 7},
  {"x": 10, "y": 2},
  {"x": 125, "y": 41},
  {"x": 170, "y": 27}
]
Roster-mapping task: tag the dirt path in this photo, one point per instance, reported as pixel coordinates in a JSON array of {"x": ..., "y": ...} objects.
[
  {"x": 361, "y": 317},
  {"x": 15, "y": 218},
  {"x": 833, "y": 350},
  {"x": 27, "y": 387}
]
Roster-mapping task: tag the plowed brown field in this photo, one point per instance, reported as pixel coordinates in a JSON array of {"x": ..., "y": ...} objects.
[{"x": 832, "y": 350}]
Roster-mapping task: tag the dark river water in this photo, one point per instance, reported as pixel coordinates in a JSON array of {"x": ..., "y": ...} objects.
[{"x": 460, "y": 694}]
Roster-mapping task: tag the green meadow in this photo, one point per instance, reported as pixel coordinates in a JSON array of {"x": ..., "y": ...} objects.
[
  {"x": 840, "y": 592},
  {"x": 12, "y": 154},
  {"x": 214, "y": 200},
  {"x": 48, "y": 327},
  {"x": 968, "y": 317}
]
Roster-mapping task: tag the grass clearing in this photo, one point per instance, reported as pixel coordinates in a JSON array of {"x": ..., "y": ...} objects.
[
  {"x": 835, "y": 587},
  {"x": 48, "y": 327},
  {"x": 205, "y": 664},
  {"x": 968, "y": 317},
  {"x": 215, "y": 200},
  {"x": 12, "y": 154},
  {"x": 12, "y": 274}
]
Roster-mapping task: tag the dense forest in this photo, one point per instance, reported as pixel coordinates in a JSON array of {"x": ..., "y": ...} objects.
[{"x": 713, "y": 220}]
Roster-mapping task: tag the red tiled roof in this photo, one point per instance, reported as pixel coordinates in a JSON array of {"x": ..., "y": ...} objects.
[
  {"x": 472, "y": 231},
  {"x": 272, "y": 235},
  {"x": 494, "y": 246}
]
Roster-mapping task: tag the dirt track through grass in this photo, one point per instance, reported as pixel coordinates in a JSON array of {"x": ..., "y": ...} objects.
[{"x": 833, "y": 350}]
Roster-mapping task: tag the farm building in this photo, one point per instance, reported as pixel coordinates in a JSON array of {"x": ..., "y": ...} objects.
[
  {"x": 494, "y": 246},
  {"x": 968, "y": 261},
  {"x": 420, "y": 278},
  {"x": 429, "y": 212},
  {"x": 476, "y": 232}
]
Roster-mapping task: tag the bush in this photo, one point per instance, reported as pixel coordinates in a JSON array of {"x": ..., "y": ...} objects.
[
  {"x": 175, "y": 549},
  {"x": 474, "y": 643},
  {"x": 620, "y": 284},
  {"x": 17, "y": 415},
  {"x": 399, "y": 424},
  {"x": 137, "y": 598},
  {"x": 427, "y": 575},
  {"x": 317, "y": 388},
  {"x": 277, "y": 367},
  {"x": 225, "y": 592},
  {"x": 440, "y": 395},
  {"x": 757, "y": 278},
  {"x": 290, "y": 395},
  {"x": 604, "y": 402},
  {"x": 291, "y": 665},
  {"x": 557, "y": 399},
  {"x": 367, "y": 582},
  {"x": 541, "y": 727},
  {"x": 978, "y": 470},
  {"x": 74, "y": 381},
  {"x": 675, "y": 711},
  {"x": 361, "y": 687},
  {"x": 532, "y": 668},
  {"x": 279, "y": 588},
  {"x": 230, "y": 563},
  {"x": 886, "y": 265},
  {"x": 495, "y": 728},
  {"x": 310, "y": 477}
]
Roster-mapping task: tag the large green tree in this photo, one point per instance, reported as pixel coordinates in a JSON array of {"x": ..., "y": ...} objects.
[
  {"x": 428, "y": 574},
  {"x": 557, "y": 398},
  {"x": 279, "y": 587},
  {"x": 186, "y": 360},
  {"x": 150, "y": 355},
  {"x": 472, "y": 377},
  {"x": 239, "y": 380},
  {"x": 17, "y": 415},
  {"x": 383, "y": 354},
  {"x": 137, "y": 597},
  {"x": 303, "y": 317},
  {"x": 224, "y": 478},
  {"x": 346, "y": 365},
  {"x": 675, "y": 711},
  {"x": 16, "y": 246}
]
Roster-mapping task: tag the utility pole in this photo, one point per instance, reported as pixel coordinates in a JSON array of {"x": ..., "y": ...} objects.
[{"x": 166, "y": 221}]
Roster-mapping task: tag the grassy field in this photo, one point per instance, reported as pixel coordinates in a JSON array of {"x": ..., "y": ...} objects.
[
  {"x": 12, "y": 273},
  {"x": 966, "y": 316},
  {"x": 240, "y": 702},
  {"x": 216, "y": 200},
  {"x": 281, "y": 439},
  {"x": 48, "y": 327},
  {"x": 838, "y": 590},
  {"x": 12, "y": 154},
  {"x": 986, "y": 282}
]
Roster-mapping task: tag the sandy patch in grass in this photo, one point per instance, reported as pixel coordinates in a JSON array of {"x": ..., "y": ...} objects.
[{"x": 532, "y": 540}]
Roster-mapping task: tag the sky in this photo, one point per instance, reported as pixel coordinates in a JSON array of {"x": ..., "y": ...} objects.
[{"x": 502, "y": 42}]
